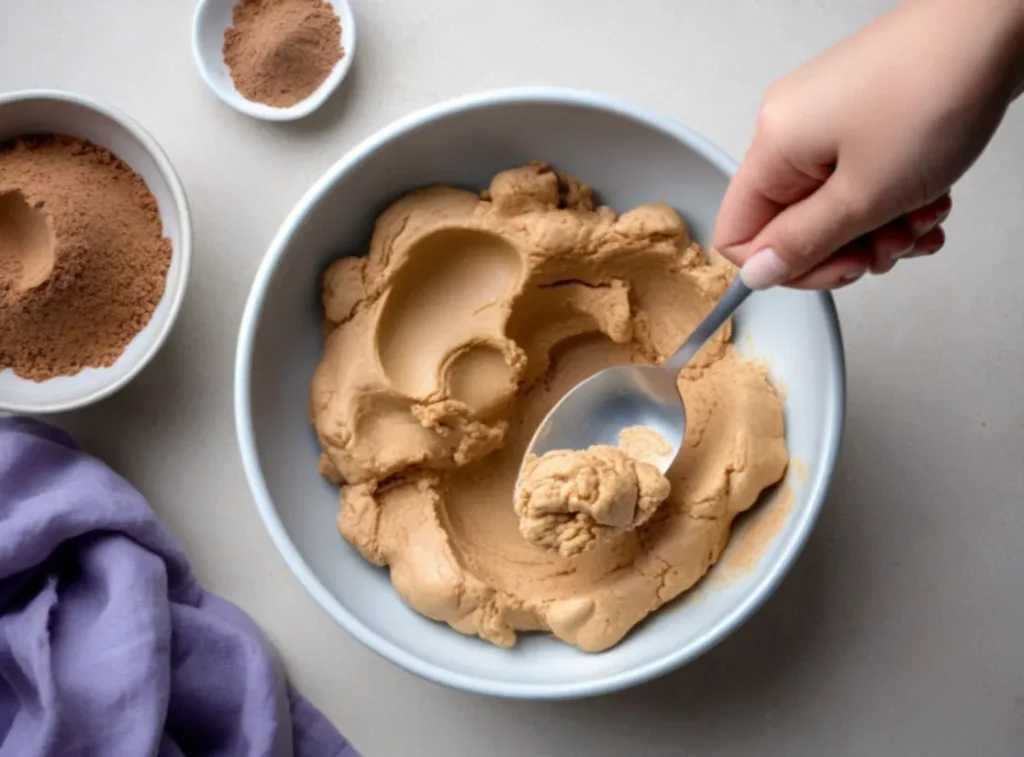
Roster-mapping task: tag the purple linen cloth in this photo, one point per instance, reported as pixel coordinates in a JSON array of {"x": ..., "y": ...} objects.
[{"x": 108, "y": 644}]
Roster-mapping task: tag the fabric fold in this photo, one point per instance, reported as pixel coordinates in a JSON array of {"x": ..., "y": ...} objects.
[{"x": 108, "y": 644}]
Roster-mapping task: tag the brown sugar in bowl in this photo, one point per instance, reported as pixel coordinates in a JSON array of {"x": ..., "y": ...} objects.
[{"x": 46, "y": 112}]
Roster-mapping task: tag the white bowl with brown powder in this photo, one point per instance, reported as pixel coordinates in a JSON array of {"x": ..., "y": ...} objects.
[
  {"x": 95, "y": 246},
  {"x": 278, "y": 60}
]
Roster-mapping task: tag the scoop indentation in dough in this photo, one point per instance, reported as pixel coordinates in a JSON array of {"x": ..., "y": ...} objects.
[
  {"x": 440, "y": 300},
  {"x": 480, "y": 377}
]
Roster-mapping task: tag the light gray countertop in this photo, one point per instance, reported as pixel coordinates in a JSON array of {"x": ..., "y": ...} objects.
[{"x": 900, "y": 631}]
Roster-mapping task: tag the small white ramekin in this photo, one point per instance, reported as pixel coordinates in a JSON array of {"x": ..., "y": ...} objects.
[{"x": 213, "y": 18}]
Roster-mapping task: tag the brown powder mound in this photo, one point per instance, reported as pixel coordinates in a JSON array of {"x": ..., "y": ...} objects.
[
  {"x": 83, "y": 259},
  {"x": 280, "y": 51}
]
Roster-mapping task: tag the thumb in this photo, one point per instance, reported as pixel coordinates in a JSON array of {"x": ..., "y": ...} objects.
[
  {"x": 806, "y": 233},
  {"x": 766, "y": 183}
]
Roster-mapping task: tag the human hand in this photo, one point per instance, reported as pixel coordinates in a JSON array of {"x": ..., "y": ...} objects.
[{"x": 855, "y": 152}]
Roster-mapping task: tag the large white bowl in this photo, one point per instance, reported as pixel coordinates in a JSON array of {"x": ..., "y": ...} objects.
[
  {"x": 55, "y": 112},
  {"x": 630, "y": 156}
]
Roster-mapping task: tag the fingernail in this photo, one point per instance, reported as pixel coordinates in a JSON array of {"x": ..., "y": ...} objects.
[
  {"x": 765, "y": 269},
  {"x": 850, "y": 276},
  {"x": 902, "y": 253}
]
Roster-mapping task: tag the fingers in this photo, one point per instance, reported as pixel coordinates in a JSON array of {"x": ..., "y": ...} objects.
[
  {"x": 914, "y": 235},
  {"x": 783, "y": 221},
  {"x": 931, "y": 215},
  {"x": 889, "y": 243},
  {"x": 765, "y": 183},
  {"x": 839, "y": 270},
  {"x": 928, "y": 244},
  {"x": 806, "y": 233},
  {"x": 899, "y": 239}
]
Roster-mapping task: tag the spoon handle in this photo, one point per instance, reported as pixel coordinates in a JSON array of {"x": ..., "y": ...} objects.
[{"x": 732, "y": 299}]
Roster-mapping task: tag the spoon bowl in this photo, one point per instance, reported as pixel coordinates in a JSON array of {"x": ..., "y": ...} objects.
[{"x": 600, "y": 408}]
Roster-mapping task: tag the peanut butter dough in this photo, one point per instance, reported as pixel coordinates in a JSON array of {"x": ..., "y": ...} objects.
[
  {"x": 569, "y": 500},
  {"x": 448, "y": 342}
]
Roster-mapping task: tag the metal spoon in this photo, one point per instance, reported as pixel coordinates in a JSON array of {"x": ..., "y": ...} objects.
[{"x": 598, "y": 409}]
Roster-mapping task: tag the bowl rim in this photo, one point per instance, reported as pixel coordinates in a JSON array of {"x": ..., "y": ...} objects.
[
  {"x": 605, "y": 683},
  {"x": 182, "y": 251},
  {"x": 304, "y": 107}
]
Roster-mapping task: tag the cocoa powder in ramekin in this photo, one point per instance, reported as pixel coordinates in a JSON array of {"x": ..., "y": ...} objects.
[{"x": 280, "y": 51}]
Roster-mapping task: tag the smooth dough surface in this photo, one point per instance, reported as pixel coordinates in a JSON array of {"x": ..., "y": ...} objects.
[{"x": 448, "y": 342}]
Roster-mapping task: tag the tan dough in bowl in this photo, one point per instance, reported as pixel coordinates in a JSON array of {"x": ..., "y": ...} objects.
[
  {"x": 448, "y": 343},
  {"x": 570, "y": 501}
]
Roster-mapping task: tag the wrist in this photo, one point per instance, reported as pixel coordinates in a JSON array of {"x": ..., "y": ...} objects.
[
  {"x": 1019, "y": 49},
  {"x": 990, "y": 32},
  {"x": 1011, "y": 13},
  {"x": 1000, "y": 24}
]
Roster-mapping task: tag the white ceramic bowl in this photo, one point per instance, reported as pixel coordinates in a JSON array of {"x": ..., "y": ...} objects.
[
  {"x": 52, "y": 112},
  {"x": 630, "y": 156},
  {"x": 213, "y": 18}
]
